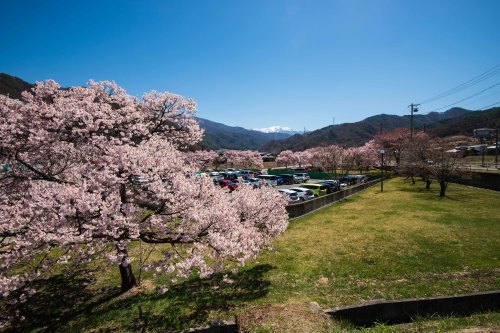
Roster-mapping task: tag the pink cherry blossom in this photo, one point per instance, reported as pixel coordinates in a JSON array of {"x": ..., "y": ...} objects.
[{"x": 92, "y": 169}]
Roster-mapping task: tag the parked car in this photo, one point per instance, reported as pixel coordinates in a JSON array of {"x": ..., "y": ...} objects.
[
  {"x": 348, "y": 179},
  {"x": 303, "y": 193},
  {"x": 228, "y": 183},
  {"x": 330, "y": 188},
  {"x": 280, "y": 180},
  {"x": 269, "y": 179},
  {"x": 230, "y": 175},
  {"x": 302, "y": 176},
  {"x": 255, "y": 182},
  {"x": 247, "y": 174},
  {"x": 216, "y": 176},
  {"x": 333, "y": 183},
  {"x": 317, "y": 189},
  {"x": 291, "y": 196},
  {"x": 361, "y": 178},
  {"x": 290, "y": 179},
  {"x": 258, "y": 173}
]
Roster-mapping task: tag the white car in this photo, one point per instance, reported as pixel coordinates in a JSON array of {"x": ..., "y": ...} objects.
[
  {"x": 255, "y": 182},
  {"x": 303, "y": 193},
  {"x": 291, "y": 196},
  {"x": 303, "y": 177}
]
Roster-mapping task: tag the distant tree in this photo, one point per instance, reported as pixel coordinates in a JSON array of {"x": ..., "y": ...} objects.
[
  {"x": 250, "y": 158},
  {"x": 328, "y": 158},
  {"x": 394, "y": 142},
  {"x": 286, "y": 158},
  {"x": 243, "y": 158},
  {"x": 92, "y": 169},
  {"x": 348, "y": 160},
  {"x": 419, "y": 154},
  {"x": 365, "y": 157},
  {"x": 436, "y": 160},
  {"x": 303, "y": 157},
  {"x": 432, "y": 159},
  {"x": 219, "y": 160},
  {"x": 201, "y": 159}
]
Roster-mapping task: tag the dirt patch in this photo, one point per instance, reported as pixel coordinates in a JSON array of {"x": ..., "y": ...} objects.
[
  {"x": 284, "y": 318},
  {"x": 145, "y": 285}
]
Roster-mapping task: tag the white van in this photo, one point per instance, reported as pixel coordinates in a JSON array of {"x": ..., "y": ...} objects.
[{"x": 269, "y": 179}]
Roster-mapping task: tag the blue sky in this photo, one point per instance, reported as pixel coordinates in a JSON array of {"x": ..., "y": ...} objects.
[{"x": 260, "y": 63}]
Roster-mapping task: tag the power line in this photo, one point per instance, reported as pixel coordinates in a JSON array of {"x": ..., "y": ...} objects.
[
  {"x": 489, "y": 106},
  {"x": 482, "y": 98},
  {"x": 489, "y": 73},
  {"x": 466, "y": 98}
]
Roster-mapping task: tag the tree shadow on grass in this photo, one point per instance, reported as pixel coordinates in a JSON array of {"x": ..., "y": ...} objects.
[
  {"x": 58, "y": 299},
  {"x": 191, "y": 303},
  {"x": 64, "y": 298}
]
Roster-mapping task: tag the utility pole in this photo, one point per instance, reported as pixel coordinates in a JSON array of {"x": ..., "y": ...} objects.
[
  {"x": 380, "y": 127},
  {"x": 413, "y": 108},
  {"x": 382, "y": 152},
  {"x": 496, "y": 149}
]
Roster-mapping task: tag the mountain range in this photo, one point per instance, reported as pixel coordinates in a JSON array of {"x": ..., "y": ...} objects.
[
  {"x": 219, "y": 136},
  {"x": 455, "y": 121}
]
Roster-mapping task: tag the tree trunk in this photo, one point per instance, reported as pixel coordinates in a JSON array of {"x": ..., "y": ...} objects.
[
  {"x": 442, "y": 185},
  {"x": 427, "y": 184},
  {"x": 128, "y": 278}
]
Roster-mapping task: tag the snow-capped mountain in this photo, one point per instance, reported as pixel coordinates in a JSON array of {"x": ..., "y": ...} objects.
[{"x": 277, "y": 129}]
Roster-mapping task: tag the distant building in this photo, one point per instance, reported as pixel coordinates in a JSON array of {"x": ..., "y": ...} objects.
[{"x": 485, "y": 134}]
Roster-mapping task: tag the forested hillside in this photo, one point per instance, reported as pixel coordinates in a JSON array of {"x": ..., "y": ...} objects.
[{"x": 452, "y": 122}]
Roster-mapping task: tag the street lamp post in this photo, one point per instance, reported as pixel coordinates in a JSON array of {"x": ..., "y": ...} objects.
[{"x": 382, "y": 152}]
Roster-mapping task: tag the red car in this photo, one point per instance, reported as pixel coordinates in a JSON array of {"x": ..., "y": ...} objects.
[{"x": 229, "y": 184}]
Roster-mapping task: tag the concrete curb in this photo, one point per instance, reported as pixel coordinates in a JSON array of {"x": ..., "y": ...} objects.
[{"x": 401, "y": 311}]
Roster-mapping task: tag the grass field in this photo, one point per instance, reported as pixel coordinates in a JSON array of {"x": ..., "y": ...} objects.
[{"x": 403, "y": 243}]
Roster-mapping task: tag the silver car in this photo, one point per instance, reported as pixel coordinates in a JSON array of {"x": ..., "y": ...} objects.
[
  {"x": 303, "y": 177},
  {"x": 303, "y": 193},
  {"x": 291, "y": 196}
]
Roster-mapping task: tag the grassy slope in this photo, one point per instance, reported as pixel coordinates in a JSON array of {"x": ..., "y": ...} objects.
[{"x": 402, "y": 243}]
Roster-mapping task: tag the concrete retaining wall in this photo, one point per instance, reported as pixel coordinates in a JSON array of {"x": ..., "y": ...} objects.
[
  {"x": 487, "y": 180},
  {"x": 394, "y": 312},
  {"x": 299, "y": 209}
]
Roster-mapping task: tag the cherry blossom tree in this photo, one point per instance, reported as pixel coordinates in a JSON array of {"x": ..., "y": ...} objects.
[
  {"x": 303, "y": 157},
  {"x": 286, "y": 158},
  {"x": 328, "y": 158},
  {"x": 395, "y": 142},
  {"x": 201, "y": 159},
  {"x": 366, "y": 156},
  {"x": 92, "y": 169},
  {"x": 432, "y": 158},
  {"x": 348, "y": 160},
  {"x": 244, "y": 158}
]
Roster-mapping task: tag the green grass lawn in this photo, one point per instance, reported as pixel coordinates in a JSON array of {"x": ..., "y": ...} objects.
[{"x": 403, "y": 243}]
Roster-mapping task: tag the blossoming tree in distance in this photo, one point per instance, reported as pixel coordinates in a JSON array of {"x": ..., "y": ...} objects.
[{"x": 92, "y": 169}]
